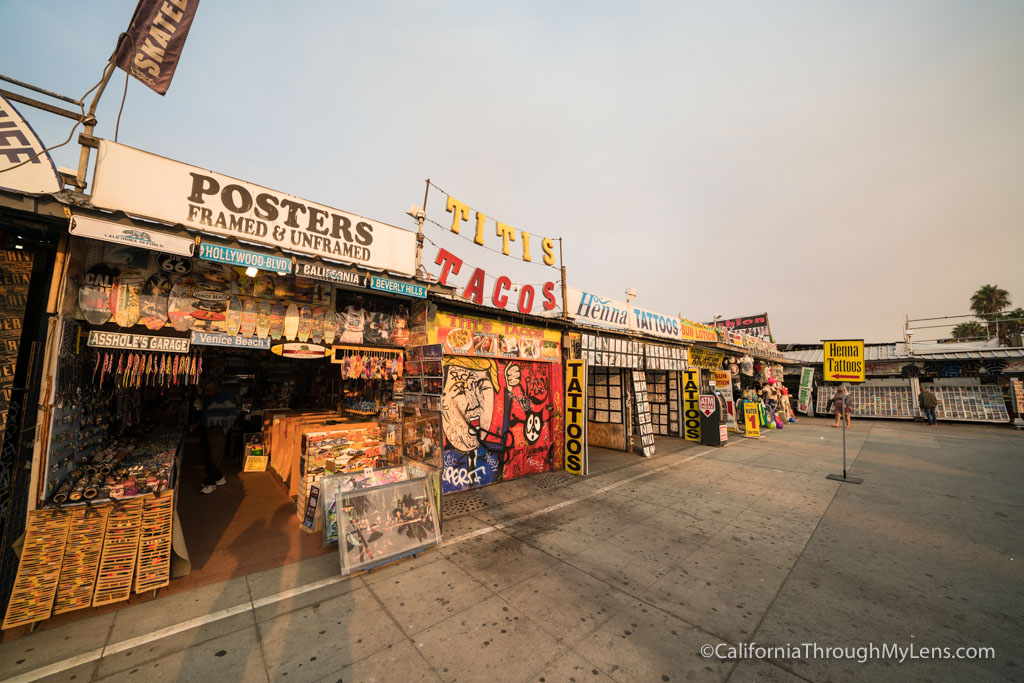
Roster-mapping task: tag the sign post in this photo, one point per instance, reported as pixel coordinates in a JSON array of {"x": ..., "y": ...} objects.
[{"x": 844, "y": 362}]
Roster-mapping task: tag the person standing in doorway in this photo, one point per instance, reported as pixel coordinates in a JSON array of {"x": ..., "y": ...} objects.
[
  {"x": 928, "y": 402},
  {"x": 218, "y": 409},
  {"x": 842, "y": 405}
]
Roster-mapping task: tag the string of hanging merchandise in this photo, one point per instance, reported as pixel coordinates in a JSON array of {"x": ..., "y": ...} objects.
[
  {"x": 447, "y": 228},
  {"x": 357, "y": 363},
  {"x": 137, "y": 369}
]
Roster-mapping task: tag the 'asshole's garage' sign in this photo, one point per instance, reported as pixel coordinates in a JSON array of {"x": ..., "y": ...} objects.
[{"x": 144, "y": 184}]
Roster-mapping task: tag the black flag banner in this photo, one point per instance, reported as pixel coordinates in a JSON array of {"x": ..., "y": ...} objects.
[{"x": 154, "y": 40}]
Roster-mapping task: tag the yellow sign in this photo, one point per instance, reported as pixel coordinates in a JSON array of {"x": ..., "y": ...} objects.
[
  {"x": 699, "y": 357},
  {"x": 844, "y": 360},
  {"x": 697, "y": 332},
  {"x": 691, "y": 405},
  {"x": 752, "y": 419},
  {"x": 470, "y": 335},
  {"x": 721, "y": 378},
  {"x": 576, "y": 417}
]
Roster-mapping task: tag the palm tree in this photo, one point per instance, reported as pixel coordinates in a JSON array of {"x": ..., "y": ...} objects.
[
  {"x": 987, "y": 302},
  {"x": 969, "y": 330},
  {"x": 1011, "y": 326}
]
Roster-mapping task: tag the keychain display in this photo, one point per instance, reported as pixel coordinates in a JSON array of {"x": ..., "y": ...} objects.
[{"x": 363, "y": 363}]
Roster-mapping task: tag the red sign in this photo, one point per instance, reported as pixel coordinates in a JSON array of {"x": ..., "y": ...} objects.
[
  {"x": 708, "y": 404},
  {"x": 501, "y": 295}
]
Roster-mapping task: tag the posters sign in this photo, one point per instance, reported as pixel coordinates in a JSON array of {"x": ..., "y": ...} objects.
[
  {"x": 752, "y": 419},
  {"x": 143, "y": 184},
  {"x": 150, "y": 48},
  {"x": 576, "y": 417},
  {"x": 691, "y": 405},
  {"x": 844, "y": 360}
]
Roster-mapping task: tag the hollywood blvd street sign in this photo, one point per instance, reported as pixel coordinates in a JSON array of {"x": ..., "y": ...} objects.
[
  {"x": 844, "y": 360},
  {"x": 246, "y": 259}
]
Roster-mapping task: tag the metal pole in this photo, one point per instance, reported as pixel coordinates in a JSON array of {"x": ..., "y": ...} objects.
[
  {"x": 419, "y": 229},
  {"x": 843, "y": 418},
  {"x": 565, "y": 297},
  {"x": 90, "y": 124}
]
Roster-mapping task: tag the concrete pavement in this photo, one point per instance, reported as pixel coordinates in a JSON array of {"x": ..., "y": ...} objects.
[{"x": 625, "y": 575}]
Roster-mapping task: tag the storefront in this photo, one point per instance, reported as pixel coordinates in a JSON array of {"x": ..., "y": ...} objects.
[
  {"x": 974, "y": 382},
  {"x": 496, "y": 387},
  {"x": 170, "y": 346}
]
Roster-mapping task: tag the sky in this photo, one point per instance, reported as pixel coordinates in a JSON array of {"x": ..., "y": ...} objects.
[{"x": 838, "y": 165}]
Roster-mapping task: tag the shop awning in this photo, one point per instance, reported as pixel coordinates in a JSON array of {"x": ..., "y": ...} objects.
[{"x": 129, "y": 234}]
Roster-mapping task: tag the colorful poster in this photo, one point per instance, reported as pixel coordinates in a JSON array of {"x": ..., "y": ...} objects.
[
  {"x": 806, "y": 387},
  {"x": 486, "y": 338},
  {"x": 500, "y": 419}
]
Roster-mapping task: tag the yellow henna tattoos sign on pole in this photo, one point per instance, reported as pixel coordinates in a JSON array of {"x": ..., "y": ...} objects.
[{"x": 844, "y": 360}]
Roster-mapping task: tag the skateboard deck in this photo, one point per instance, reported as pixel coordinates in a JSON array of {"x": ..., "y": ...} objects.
[
  {"x": 234, "y": 316},
  {"x": 125, "y": 296},
  {"x": 94, "y": 294},
  {"x": 305, "y": 323},
  {"x": 330, "y": 326},
  {"x": 277, "y": 321},
  {"x": 263, "y": 319},
  {"x": 248, "y": 327},
  {"x": 179, "y": 304},
  {"x": 291, "y": 322},
  {"x": 153, "y": 302},
  {"x": 317, "y": 333}
]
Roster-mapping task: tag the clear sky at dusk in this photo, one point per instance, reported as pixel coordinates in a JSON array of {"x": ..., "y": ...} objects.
[{"x": 836, "y": 164}]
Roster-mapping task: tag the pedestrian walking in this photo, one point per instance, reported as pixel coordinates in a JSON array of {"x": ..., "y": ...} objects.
[
  {"x": 842, "y": 405},
  {"x": 928, "y": 402},
  {"x": 216, "y": 410}
]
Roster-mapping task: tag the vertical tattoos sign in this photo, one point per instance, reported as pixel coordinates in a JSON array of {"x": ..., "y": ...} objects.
[
  {"x": 152, "y": 45},
  {"x": 691, "y": 405},
  {"x": 576, "y": 461}
]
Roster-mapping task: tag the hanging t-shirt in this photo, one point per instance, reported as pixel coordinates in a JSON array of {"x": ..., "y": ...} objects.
[{"x": 747, "y": 365}]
